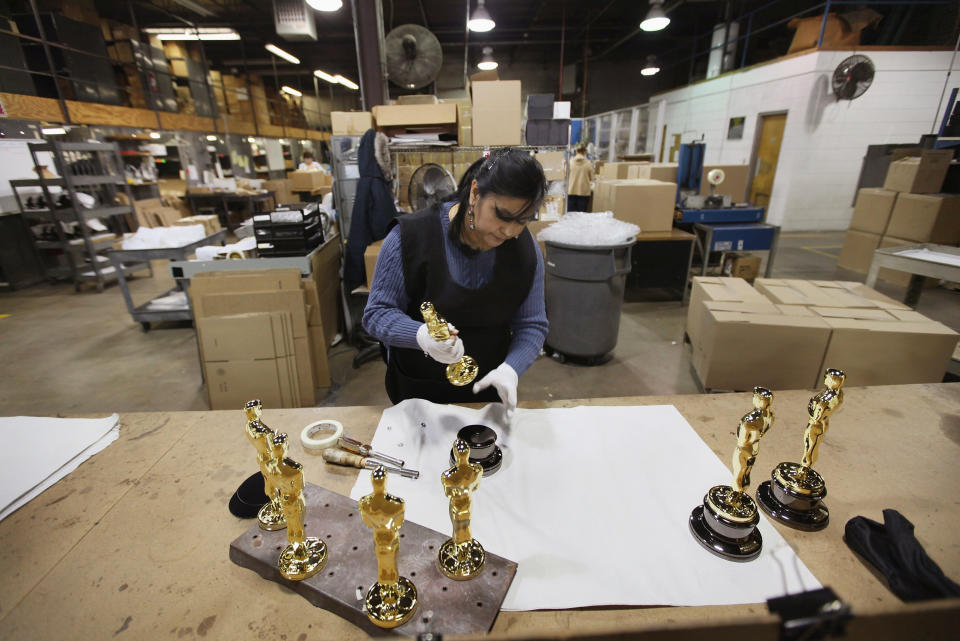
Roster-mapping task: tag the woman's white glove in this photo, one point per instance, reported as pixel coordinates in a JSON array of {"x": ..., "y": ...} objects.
[
  {"x": 446, "y": 352},
  {"x": 504, "y": 379}
]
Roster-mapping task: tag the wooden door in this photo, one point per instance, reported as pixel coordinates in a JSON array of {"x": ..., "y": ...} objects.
[{"x": 767, "y": 153}]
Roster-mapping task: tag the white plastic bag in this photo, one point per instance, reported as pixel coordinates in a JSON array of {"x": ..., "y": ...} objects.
[{"x": 595, "y": 229}]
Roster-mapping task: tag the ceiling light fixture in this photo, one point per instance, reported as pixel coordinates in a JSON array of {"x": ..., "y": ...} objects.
[
  {"x": 291, "y": 91},
  {"x": 651, "y": 67},
  {"x": 277, "y": 51},
  {"x": 251, "y": 139},
  {"x": 200, "y": 33},
  {"x": 211, "y": 137},
  {"x": 325, "y": 5},
  {"x": 656, "y": 19},
  {"x": 323, "y": 75},
  {"x": 480, "y": 20},
  {"x": 53, "y": 131},
  {"x": 349, "y": 84},
  {"x": 487, "y": 63},
  {"x": 155, "y": 135}
]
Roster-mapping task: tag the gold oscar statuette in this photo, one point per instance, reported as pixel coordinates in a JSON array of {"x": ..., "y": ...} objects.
[
  {"x": 726, "y": 522},
  {"x": 461, "y": 556},
  {"x": 392, "y": 600},
  {"x": 304, "y": 555},
  {"x": 795, "y": 492},
  {"x": 463, "y": 371},
  {"x": 270, "y": 516}
]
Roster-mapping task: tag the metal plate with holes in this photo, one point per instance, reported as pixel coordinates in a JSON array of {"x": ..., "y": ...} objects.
[{"x": 445, "y": 606}]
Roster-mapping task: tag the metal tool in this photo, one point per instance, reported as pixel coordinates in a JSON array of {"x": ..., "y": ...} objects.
[
  {"x": 339, "y": 457},
  {"x": 355, "y": 446}
]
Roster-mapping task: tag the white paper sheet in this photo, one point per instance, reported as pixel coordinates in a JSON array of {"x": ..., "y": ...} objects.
[
  {"x": 931, "y": 256},
  {"x": 591, "y": 502},
  {"x": 40, "y": 451}
]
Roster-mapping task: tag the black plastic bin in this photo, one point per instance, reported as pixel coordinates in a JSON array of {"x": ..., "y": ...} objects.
[{"x": 583, "y": 289}]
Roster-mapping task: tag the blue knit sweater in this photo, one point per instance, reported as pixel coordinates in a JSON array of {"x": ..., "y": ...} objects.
[{"x": 385, "y": 319}]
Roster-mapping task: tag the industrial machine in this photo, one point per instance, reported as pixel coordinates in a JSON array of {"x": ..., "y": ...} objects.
[{"x": 719, "y": 224}]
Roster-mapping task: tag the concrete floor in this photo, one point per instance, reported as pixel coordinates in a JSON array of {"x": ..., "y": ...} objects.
[{"x": 67, "y": 353}]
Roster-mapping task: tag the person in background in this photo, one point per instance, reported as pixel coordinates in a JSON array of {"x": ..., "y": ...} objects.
[
  {"x": 477, "y": 262},
  {"x": 581, "y": 175},
  {"x": 307, "y": 163}
]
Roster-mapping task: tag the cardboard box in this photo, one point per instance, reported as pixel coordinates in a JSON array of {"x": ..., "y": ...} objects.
[
  {"x": 734, "y": 182},
  {"x": 418, "y": 99},
  {"x": 740, "y": 349},
  {"x": 663, "y": 171},
  {"x": 465, "y": 125},
  {"x": 739, "y": 265},
  {"x": 554, "y": 164},
  {"x": 923, "y": 174},
  {"x": 415, "y": 115},
  {"x": 351, "y": 123},
  {"x": 732, "y": 294},
  {"x": 899, "y": 348},
  {"x": 926, "y": 219},
  {"x": 553, "y": 207},
  {"x": 309, "y": 180},
  {"x": 370, "y": 255},
  {"x": 857, "y": 252},
  {"x": 496, "y": 113},
  {"x": 873, "y": 209},
  {"x": 647, "y": 203},
  {"x": 618, "y": 170},
  {"x": 281, "y": 190}
]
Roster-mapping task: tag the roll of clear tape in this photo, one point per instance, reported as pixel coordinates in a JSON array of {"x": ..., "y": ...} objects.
[{"x": 328, "y": 439}]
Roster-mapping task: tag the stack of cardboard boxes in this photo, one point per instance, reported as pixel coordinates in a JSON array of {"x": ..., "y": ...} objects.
[
  {"x": 265, "y": 333},
  {"x": 783, "y": 333},
  {"x": 554, "y": 165},
  {"x": 906, "y": 211}
]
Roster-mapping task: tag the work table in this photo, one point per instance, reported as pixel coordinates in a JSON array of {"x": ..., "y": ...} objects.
[{"x": 134, "y": 543}]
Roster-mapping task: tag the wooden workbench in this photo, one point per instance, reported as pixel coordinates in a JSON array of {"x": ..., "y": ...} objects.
[{"x": 133, "y": 544}]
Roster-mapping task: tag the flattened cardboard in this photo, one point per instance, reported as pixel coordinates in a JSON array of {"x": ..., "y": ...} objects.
[
  {"x": 230, "y": 384},
  {"x": 497, "y": 112}
]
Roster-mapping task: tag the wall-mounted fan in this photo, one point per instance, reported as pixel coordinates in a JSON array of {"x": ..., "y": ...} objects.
[
  {"x": 430, "y": 185},
  {"x": 853, "y": 77},
  {"x": 414, "y": 56}
]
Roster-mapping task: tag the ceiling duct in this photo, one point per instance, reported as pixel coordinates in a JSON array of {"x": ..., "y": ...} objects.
[{"x": 294, "y": 20}]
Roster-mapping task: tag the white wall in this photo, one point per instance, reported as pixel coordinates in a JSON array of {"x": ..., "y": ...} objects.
[{"x": 825, "y": 140}]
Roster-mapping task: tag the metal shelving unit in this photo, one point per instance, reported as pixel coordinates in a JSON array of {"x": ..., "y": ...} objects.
[{"x": 94, "y": 169}]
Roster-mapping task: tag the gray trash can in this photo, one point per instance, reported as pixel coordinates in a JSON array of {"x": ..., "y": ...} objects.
[{"x": 584, "y": 292}]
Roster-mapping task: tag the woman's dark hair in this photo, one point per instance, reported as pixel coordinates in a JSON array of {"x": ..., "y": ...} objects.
[
  {"x": 506, "y": 172},
  {"x": 306, "y": 155}
]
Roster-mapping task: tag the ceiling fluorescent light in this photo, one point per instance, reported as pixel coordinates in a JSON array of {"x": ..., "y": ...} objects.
[
  {"x": 291, "y": 91},
  {"x": 53, "y": 131},
  {"x": 211, "y": 137},
  {"x": 325, "y": 5},
  {"x": 277, "y": 51},
  {"x": 323, "y": 75},
  {"x": 480, "y": 20},
  {"x": 196, "y": 8},
  {"x": 650, "y": 67},
  {"x": 155, "y": 135},
  {"x": 487, "y": 63},
  {"x": 349, "y": 84},
  {"x": 656, "y": 19},
  {"x": 203, "y": 33}
]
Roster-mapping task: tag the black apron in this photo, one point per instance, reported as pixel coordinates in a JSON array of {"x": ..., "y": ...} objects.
[{"x": 481, "y": 315}]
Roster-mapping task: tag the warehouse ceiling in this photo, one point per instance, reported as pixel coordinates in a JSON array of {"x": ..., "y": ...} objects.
[{"x": 531, "y": 31}]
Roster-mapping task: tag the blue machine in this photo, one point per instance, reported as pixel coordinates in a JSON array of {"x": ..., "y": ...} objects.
[{"x": 737, "y": 227}]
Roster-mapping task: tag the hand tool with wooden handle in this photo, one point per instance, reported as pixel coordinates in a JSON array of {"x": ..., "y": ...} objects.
[
  {"x": 355, "y": 446},
  {"x": 339, "y": 457}
]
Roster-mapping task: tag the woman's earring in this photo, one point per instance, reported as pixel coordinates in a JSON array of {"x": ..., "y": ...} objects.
[{"x": 470, "y": 219}]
